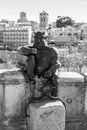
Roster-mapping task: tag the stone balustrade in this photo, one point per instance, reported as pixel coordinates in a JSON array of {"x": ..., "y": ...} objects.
[{"x": 14, "y": 93}]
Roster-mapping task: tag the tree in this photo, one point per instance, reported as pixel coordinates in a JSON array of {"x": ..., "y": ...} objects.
[
  {"x": 79, "y": 62},
  {"x": 64, "y": 21},
  {"x": 4, "y": 21},
  {"x": 75, "y": 63}
]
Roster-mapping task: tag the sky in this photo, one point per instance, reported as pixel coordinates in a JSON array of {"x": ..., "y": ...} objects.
[{"x": 76, "y": 9}]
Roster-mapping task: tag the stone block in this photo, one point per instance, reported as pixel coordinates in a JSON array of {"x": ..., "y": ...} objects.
[
  {"x": 46, "y": 115},
  {"x": 12, "y": 100}
]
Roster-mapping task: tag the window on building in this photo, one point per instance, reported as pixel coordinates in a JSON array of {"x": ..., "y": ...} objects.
[
  {"x": 44, "y": 18},
  {"x": 60, "y": 34},
  {"x": 41, "y": 19}
]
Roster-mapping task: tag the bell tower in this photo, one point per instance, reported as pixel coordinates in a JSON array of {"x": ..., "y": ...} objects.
[{"x": 43, "y": 20}]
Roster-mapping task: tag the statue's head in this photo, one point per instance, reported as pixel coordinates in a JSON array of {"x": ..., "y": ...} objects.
[{"x": 39, "y": 38}]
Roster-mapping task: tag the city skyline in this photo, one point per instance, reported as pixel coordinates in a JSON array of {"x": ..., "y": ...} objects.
[{"x": 76, "y": 9}]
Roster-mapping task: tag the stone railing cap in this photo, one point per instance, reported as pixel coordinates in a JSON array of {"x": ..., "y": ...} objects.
[{"x": 71, "y": 77}]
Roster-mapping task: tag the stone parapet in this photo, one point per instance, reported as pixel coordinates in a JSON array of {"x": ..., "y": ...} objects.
[
  {"x": 12, "y": 100},
  {"x": 72, "y": 89},
  {"x": 46, "y": 115}
]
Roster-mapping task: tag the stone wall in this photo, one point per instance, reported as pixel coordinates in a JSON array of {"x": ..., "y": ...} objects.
[
  {"x": 14, "y": 92},
  {"x": 12, "y": 100},
  {"x": 46, "y": 115},
  {"x": 73, "y": 91},
  {"x": 10, "y": 59}
]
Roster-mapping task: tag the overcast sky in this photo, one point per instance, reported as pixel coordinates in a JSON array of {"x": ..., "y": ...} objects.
[{"x": 76, "y": 9}]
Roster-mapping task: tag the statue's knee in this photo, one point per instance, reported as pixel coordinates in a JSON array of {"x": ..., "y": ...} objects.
[
  {"x": 54, "y": 77},
  {"x": 54, "y": 80},
  {"x": 30, "y": 60}
]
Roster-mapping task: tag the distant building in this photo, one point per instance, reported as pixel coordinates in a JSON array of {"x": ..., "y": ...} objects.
[
  {"x": 63, "y": 52},
  {"x": 57, "y": 34},
  {"x": 84, "y": 32},
  {"x": 34, "y": 25},
  {"x": 1, "y": 38},
  {"x": 16, "y": 36},
  {"x": 2, "y": 28},
  {"x": 64, "y": 35},
  {"x": 22, "y": 17},
  {"x": 43, "y": 20},
  {"x": 7, "y": 23},
  {"x": 3, "y": 25},
  {"x": 54, "y": 24},
  {"x": 23, "y": 24},
  {"x": 11, "y": 23}
]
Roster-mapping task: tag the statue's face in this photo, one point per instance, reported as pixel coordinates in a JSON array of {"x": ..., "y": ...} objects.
[{"x": 39, "y": 40}]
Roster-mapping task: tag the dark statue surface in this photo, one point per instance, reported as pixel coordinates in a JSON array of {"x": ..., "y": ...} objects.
[{"x": 41, "y": 64}]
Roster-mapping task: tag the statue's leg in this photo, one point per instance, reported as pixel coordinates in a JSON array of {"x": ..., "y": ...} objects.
[
  {"x": 54, "y": 82},
  {"x": 30, "y": 66}
]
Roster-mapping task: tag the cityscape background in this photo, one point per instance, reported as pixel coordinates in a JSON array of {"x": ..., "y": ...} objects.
[
  {"x": 10, "y": 9},
  {"x": 64, "y": 22}
]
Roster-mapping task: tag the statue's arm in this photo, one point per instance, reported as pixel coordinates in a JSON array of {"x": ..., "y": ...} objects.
[
  {"x": 54, "y": 65},
  {"x": 26, "y": 50}
]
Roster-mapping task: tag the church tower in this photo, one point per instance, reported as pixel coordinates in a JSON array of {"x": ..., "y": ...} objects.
[
  {"x": 22, "y": 17},
  {"x": 43, "y": 20}
]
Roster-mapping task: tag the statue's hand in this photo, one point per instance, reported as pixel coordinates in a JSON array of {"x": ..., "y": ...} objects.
[{"x": 47, "y": 74}]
